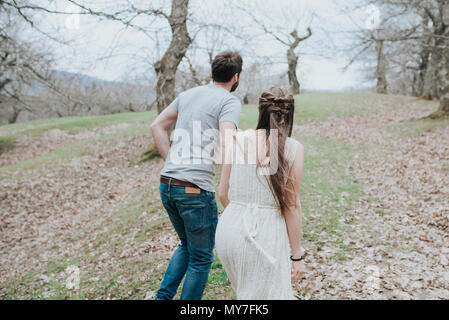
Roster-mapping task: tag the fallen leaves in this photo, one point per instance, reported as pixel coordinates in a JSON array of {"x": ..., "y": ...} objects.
[
  {"x": 395, "y": 236},
  {"x": 403, "y": 229},
  {"x": 44, "y": 209}
]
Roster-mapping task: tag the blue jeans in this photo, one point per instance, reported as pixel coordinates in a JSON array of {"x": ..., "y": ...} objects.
[{"x": 195, "y": 218}]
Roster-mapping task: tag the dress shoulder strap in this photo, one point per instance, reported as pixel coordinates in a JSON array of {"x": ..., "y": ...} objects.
[{"x": 291, "y": 146}]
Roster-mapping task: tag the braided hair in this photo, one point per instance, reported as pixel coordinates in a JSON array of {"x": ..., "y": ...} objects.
[{"x": 276, "y": 112}]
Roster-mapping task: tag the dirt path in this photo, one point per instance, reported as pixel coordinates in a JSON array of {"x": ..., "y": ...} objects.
[{"x": 397, "y": 235}]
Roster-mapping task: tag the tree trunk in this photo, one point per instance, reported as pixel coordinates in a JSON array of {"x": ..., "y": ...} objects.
[
  {"x": 292, "y": 77},
  {"x": 443, "y": 110},
  {"x": 422, "y": 72},
  {"x": 292, "y": 60},
  {"x": 16, "y": 113},
  {"x": 442, "y": 49},
  {"x": 381, "y": 69},
  {"x": 167, "y": 66},
  {"x": 421, "y": 86},
  {"x": 444, "y": 100},
  {"x": 431, "y": 77}
]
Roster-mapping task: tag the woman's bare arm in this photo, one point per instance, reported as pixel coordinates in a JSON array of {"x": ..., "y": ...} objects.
[
  {"x": 227, "y": 131},
  {"x": 293, "y": 213},
  {"x": 223, "y": 188}
]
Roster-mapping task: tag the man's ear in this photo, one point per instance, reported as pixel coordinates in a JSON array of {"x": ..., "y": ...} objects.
[{"x": 236, "y": 77}]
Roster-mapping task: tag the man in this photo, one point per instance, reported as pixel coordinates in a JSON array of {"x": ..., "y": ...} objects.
[{"x": 187, "y": 180}]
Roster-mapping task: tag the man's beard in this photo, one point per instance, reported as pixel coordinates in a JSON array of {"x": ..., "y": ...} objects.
[{"x": 235, "y": 86}]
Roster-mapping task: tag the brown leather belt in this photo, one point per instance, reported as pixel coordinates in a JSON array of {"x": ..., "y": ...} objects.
[{"x": 178, "y": 183}]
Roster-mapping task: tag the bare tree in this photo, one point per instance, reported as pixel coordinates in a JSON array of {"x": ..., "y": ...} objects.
[
  {"x": 424, "y": 63},
  {"x": 21, "y": 62},
  {"x": 382, "y": 38},
  {"x": 27, "y": 76},
  {"x": 381, "y": 66},
  {"x": 214, "y": 29},
  {"x": 438, "y": 12},
  {"x": 431, "y": 32},
  {"x": 292, "y": 59},
  {"x": 166, "y": 67},
  {"x": 285, "y": 33}
]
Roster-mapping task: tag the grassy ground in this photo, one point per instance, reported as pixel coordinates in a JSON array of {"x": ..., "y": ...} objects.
[
  {"x": 73, "y": 124},
  {"x": 123, "y": 253},
  {"x": 6, "y": 144}
]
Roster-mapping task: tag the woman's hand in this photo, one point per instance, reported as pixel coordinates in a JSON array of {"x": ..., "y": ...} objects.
[{"x": 298, "y": 270}]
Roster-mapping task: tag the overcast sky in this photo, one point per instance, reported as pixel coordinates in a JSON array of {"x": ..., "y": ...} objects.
[{"x": 318, "y": 68}]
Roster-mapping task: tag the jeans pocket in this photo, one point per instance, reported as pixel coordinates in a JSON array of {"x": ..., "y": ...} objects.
[
  {"x": 193, "y": 212},
  {"x": 214, "y": 212}
]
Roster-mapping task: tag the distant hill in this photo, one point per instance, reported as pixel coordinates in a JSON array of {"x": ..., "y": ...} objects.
[
  {"x": 84, "y": 81},
  {"x": 76, "y": 94}
]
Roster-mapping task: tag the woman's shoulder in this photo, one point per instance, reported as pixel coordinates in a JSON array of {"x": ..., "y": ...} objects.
[
  {"x": 295, "y": 143},
  {"x": 293, "y": 149}
]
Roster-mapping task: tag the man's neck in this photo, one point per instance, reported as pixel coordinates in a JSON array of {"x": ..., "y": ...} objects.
[{"x": 225, "y": 85}]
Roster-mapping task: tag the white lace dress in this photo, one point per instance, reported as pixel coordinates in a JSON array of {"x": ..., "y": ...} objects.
[{"x": 251, "y": 239}]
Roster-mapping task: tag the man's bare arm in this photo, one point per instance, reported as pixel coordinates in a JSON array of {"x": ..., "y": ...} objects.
[{"x": 159, "y": 128}]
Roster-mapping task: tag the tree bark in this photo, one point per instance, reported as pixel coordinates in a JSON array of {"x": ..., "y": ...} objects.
[
  {"x": 381, "y": 69},
  {"x": 443, "y": 109},
  {"x": 292, "y": 59},
  {"x": 431, "y": 78},
  {"x": 444, "y": 100},
  {"x": 295, "y": 87},
  {"x": 167, "y": 66},
  {"x": 420, "y": 76},
  {"x": 442, "y": 49},
  {"x": 419, "y": 84}
]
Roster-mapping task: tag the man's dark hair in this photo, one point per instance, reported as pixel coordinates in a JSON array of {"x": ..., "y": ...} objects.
[{"x": 226, "y": 65}]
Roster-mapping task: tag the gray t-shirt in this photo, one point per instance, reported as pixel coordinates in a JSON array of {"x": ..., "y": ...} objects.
[{"x": 195, "y": 138}]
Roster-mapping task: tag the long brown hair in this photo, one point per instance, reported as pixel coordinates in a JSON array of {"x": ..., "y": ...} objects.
[{"x": 276, "y": 111}]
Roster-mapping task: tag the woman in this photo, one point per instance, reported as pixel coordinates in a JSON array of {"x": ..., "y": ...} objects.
[{"x": 258, "y": 234}]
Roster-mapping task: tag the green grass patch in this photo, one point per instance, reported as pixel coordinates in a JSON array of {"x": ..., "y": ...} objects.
[
  {"x": 320, "y": 106},
  {"x": 383, "y": 212},
  {"x": 62, "y": 154},
  {"x": 328, "y": 191},
  {"x": 74, "y": 150},
  {"x": 248, "y": 117},
  {"x": 6, "y": 144},
  {"x": 414, "y": 127},
  {"x": 75, "y": 124},
  {"x": 218, "y": 285}
]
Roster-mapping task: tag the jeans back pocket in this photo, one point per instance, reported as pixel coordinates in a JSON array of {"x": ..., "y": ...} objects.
[{"x": 193, "y": 212}]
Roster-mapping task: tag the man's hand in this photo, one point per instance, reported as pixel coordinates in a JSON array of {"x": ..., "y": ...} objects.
[{"x": 159, "y": 128}]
